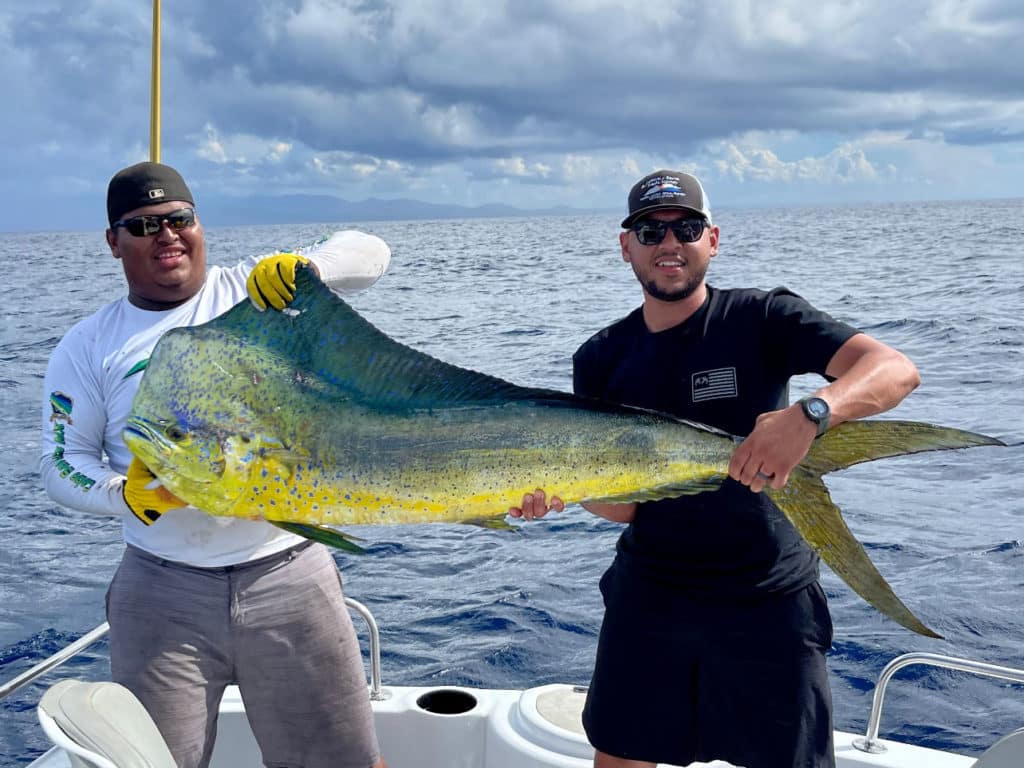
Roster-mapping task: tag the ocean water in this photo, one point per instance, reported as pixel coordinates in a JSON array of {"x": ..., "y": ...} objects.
[{"x": 457, "y": 605}]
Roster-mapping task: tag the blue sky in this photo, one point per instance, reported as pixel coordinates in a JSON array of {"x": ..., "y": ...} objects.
[{"x": 526, "y": 103}]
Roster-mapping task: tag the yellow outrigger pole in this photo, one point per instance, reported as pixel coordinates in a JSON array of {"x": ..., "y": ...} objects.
[{"x": 154, "y": 96}]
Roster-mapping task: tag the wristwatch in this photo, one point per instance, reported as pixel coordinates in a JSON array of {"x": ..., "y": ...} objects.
[{"x": 816, "y": 410}]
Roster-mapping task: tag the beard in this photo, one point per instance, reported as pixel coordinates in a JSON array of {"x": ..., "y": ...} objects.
[{"x": 676, "y": 293}]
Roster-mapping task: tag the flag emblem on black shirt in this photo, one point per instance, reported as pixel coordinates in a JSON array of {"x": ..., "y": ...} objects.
[{"x": 714, "y": 385}]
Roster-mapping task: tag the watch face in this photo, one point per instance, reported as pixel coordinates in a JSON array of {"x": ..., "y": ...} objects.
[{"x": 817, "y": 408}]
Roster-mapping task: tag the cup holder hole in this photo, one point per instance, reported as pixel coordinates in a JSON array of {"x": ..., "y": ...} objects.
[{"x": 446, "y": 702}]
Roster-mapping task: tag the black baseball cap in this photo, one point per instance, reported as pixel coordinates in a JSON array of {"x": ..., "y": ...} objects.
[
  {"x": 663, "y": 190},
  {"x": 144, "y": 184}
]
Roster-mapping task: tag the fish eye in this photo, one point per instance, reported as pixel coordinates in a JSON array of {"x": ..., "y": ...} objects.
[{"x": 175, "y": 433}]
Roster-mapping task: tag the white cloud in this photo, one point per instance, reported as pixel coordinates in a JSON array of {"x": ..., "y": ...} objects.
[
  {"x": 580, "y": 168},
  {"x": 518, "y": 167},
  {"x": 445, "y": 97},
  {"x": 341, "y": 166},
  {"x": 211, "y": 148},
  {"x": 752, "y": 161},
  {"x": 240, "y": 149}
]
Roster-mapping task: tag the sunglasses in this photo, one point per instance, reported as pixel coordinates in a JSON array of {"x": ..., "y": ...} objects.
[
  {"x": 147, "y": 226},
  {"x": 652, "y": 231}
]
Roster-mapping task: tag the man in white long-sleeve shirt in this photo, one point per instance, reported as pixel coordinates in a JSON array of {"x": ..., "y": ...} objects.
[{"x": 200, "y": 602}]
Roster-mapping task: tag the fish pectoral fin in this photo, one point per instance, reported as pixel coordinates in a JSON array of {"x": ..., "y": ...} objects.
[
  {"x": 286, "y": 457},
  {"x": 491, "y": 523},
  {"x": 280, "y": 463},
  {"x": 806, "y": 503},
  {"x": 688, "y": 488},
  {"x": 324, "y": 534}
]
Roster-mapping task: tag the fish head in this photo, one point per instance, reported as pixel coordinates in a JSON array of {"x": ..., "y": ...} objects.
[
  {"x": 204, "y": 414},
  {"x": 210, "y": 469}
]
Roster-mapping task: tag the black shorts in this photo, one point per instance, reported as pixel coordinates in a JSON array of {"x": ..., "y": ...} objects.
[{"x": 678, "y": 680}]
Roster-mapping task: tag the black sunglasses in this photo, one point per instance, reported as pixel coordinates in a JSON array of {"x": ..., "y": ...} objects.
[
  {"x": 147, "y": 226},
  {"x": 653, "y": 231}
]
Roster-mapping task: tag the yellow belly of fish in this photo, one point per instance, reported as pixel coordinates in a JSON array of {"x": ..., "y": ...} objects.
[{"x": 441, "y": 495}]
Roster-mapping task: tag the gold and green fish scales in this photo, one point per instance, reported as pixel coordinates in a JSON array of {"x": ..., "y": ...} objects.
[{"x": 314, "y": 418}]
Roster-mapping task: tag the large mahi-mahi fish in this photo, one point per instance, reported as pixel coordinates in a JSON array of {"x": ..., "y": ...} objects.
[{"x": 313, "y": 418}]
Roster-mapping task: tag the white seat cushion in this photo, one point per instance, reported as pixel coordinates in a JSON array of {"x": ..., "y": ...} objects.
[
  {"x": 1008, "y": 752},
  {"x": 107, "y": 719}
]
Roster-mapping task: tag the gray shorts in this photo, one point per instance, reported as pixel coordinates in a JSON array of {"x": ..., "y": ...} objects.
[{"x": 278, "y": 627}]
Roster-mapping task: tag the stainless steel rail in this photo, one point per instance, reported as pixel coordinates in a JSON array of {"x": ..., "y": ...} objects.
[
  {"x": 870, "y": 742},
  {"x": 376, "y": 692},
  {"x": 55, "y": 660},
  {"x": 68, "y": 652}
]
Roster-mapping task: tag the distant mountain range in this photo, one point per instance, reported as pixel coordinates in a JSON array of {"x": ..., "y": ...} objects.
[
  {"x": 298, "y": 209},
  {"x": 83, "y": 213}
]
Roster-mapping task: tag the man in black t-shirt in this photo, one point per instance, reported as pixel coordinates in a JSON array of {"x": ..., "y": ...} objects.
[{"x": 715, "y": 630}]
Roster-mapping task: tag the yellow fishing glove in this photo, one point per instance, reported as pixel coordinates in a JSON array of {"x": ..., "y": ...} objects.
[
  {"x": 144, "y": 495},
  {"x": 272, "y": 281}
]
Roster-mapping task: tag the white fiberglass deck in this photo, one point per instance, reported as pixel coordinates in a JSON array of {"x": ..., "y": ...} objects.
[
  {"x": 455, "y": 727},
  {"x": 537, "y": 728}
]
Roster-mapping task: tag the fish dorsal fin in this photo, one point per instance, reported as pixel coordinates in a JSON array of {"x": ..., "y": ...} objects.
[
  {"x": 324, "y": 338},
  {"x": 321, "y": 341}
]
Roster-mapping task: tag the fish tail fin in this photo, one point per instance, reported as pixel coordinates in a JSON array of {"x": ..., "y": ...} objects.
[
  {"x": 323, "y": 534},
  {"x": 854, "y": 442},
  {"x": 806, "y": 502}
]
